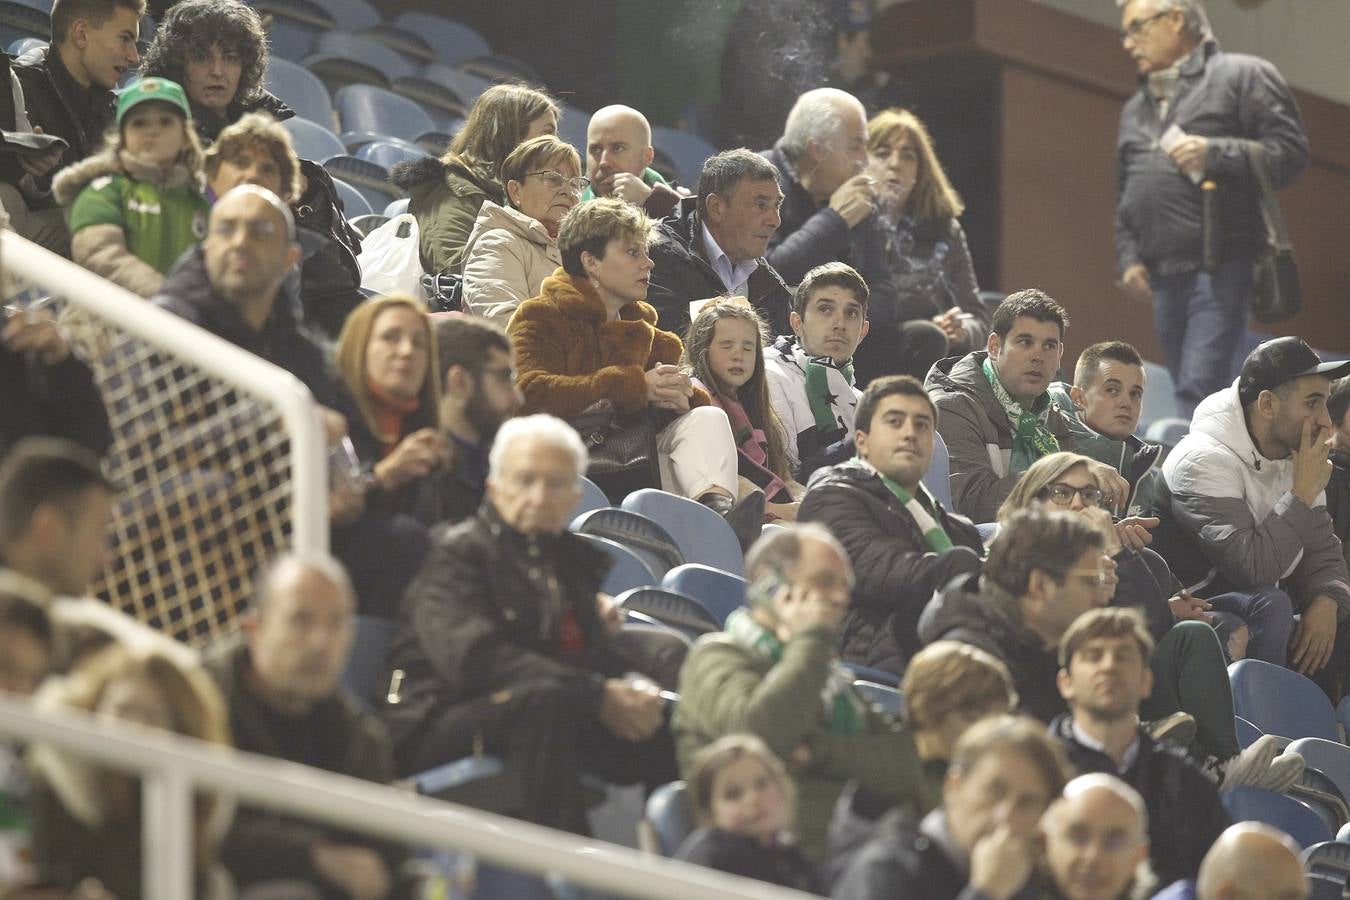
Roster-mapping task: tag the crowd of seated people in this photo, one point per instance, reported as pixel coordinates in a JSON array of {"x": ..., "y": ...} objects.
[{"x": 796, "y": 338}]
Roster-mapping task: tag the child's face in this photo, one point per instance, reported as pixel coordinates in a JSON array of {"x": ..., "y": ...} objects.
[
  {"x": 153, "y": 131},
  {"x": 833, "y": 323},
  {"x": 747, "y": 799},
  {"x": 733, "y": 352}
]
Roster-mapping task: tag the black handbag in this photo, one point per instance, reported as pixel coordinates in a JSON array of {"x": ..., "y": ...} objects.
[
  {"x": 444, "y": 292},
  {"x": 1276, "y": 293},
  {"x": 622, "y": 451}
]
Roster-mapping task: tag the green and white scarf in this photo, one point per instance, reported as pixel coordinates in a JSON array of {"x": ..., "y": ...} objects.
[
  {"x": 843, "y": 707},
  {"x": 818, "y": 390},
  {"x": 933, "y": 534},
  {"x": 1031, "y": 432}
]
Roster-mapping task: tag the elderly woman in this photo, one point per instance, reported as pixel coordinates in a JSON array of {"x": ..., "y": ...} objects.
[
  {"x": 513, "y": 248},
  {"x": 589, "y": 341},
  {"x": 446, "y": 194}
]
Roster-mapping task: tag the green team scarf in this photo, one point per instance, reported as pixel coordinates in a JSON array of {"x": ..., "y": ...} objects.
[
  {"x": 818, "y": 390},
  {"x": 844, "y": 708},
  {"x": 1031, "y": 435},
  {"x": 933, "y": 534}
]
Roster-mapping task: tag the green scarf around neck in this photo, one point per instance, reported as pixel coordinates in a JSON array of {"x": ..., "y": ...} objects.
[
  {"x": 1032, "y": 438},
  {"x": 818, "y": 390}
]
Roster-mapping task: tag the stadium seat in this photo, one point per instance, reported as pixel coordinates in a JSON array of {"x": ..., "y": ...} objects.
[
  {"x": 301, "y": 89},
  {"x": 1343, "y": 713},
  {"x": 652, "y": 543},
  {"x": 340, "y": 59},
  {"x": 591, "y": 495},
  {"x": 938, "y": 477},
  {"x": 1167, "y": 432},
  {"x": 23, "y": 45},
  {"x": 366, "y": 661},
  {"x": 371, "y": 180},
  {"x": 454, "y": 42},
  {"x": 499, "y": 68},
  {"x": 866, "y": 673},
  {"x": 296, "y": 24},
  {"x": 628, "y": 570},
  {"x": 398, "y": 208},
  {"x": 366, "y": 224},
  {"x": 688, "y": 151},
  {"x": 888, "y": 698},
  {"x": 1160, "y": 401},
  {"x": 1247, "y": 733},
  {"x": 721, "y": 592},
  {"x": 390, "y": 153},
  {"x": 464, "y": 86},
  {"x": 364, "y": 107},
  {"x": 312, "y": 140},
  {"x": 354, "y": 205},
  {"x": 437, "y": 142},
  {"x": 668, "y": 820},
  {"x": 1344, "y": 834},
  {"x": 19, "y": 21},
  {"x": 1280, "y": 701},
  {"x": 1332, "y": 758},
  {"x": 988, "y": 531},
  {"x": 572, "y": 124},
  {"x": 410, "y": 44},
  {"x": 40, "y": 5},
  {"x": 1328, "y": 866},
  {"x": 352, "y": 15},
  {"x": 1284, "y": 813},
  {"x": 702, "y": 535},
  {"x": 670, "y": 608},
  {"x": 1319, "y": 793},
  {"x": 436, "y": 98}
]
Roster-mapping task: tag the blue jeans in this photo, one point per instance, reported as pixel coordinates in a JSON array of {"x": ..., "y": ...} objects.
[
  {"x": 1201, "y": 318},
  {"x": 1268, "y": 615}
]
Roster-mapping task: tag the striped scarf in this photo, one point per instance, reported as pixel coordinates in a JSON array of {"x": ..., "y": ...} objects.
[
  {"x": 1031, "y": 432},
  {"x": 933, "y": 534},
  {"x": 818, "y": 390}
]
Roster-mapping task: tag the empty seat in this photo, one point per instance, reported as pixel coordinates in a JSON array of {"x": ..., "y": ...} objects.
[
  {"x": 23, "y": 45},
  {"x": 1160, "y": 400},
  {"x": 688, "y": 151},
  {"x": 1329, "y": 858},
  {"x": 866, "y": 673},
  {"x": 296, "y": 24},
  {"x": 572, "y": 125},
  {"x": 312, "y": 140},
  {"x": 721, "y": 592},
  {"x": 668, "y": 820},
  {"x": 354, "y": 204},
  {"x": 433, "y": 96},
  {"x": 340, "y": 59},
  {"x": 371, "y": 180},
  {"x": 352, "y": 15},
  {"x": 1247, "y": 733},
  {"x": 938, "y": 477},
  {"x": 464, "y": 86},
  {"x": 591, "y": 495},
  {"x": 702, "y": 535},
  {"x": 499, "y": 68},
  {"x": 1280, "y": 701},
  {"x": 436, "y": 142},
  {"x": 635, "y": 531},
  {"x": 672, "y": 608},
  {"x": 628, "y": 570},
  {"x": 454, "y": 41},
  {"x": 19, "y": 21},
  {"x": 1167, "y": 432},
  {"x": 366, "y": 661},
  {"x": 1318, "y": 792},
  {"x": 398, "y": 208},
  {"x": 301, "y": 89},
  {"x": 1332, "y": 758},
  {"x": 408, "y": 43},
  {"x": 367, "y": 108},
  {"x": 883, "y": 695},
  {"x": 1284, "y": 813}
]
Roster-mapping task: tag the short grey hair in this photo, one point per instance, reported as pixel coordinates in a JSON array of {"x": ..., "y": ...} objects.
[
  {"x": 815, "y": 116},
  {"x": 541, "y": 427},
  {"x": 1193, "y": 11},
  {"x": 325, "y": 564},
  {"x": 770, "y": 562},
  {"x": 724, "y": 171}
]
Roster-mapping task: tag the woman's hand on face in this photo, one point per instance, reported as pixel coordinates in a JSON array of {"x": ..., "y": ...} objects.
[{"x": 415, "y": 456}]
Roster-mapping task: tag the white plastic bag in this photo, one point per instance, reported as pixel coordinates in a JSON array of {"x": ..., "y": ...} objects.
[{"x": 390, "y": 259}]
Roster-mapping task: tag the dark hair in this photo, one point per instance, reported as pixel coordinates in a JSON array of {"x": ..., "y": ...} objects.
[
  {"x": 23, "y": 614},
  {"x": 191, "y": 28},
  {"x": 1017, "y": 734},
  {"x": 1108, "y": 622},
  {"x": 933, "y": 199},
  {"x": 499, "y": 120},
  {"x": 1032, "y": 303},
  {"x": 830, "y": 274},
  {"x": 466, "y": 341},
  {"x": 717, "y": 756},
  {"x": 96, "y": 12},
  {"x": 891, "y": 386},
  {"x": 723, "y": 172},
  {"x": 1090, "y": 360},
  {"x": 42, "y": 470},
  {"x": 1338, "y": 401},
  {"x": 1034, "y": 539}
]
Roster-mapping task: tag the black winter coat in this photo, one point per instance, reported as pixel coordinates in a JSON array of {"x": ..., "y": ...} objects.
[
  {"x": 60, "y": 400},
  {"x": 59, "y": 105},
  {"x": 896, "y": 572},
  {"x": 783, "y": 865}
]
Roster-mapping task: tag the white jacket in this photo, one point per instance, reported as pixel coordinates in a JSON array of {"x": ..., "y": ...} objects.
[
  {"x": 506, "y": 259},
  {"x": 785, "y": 371}
]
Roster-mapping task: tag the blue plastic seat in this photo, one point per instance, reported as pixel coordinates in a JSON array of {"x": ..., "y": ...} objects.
[
  {"x": 352, "y": 15},
  {"x": 367, "y": 662},
  {"x": 1328, "y": 867},
  {"x": 464, "y": 86},
  {"x": 371, "y": 180},
  {"x": 1160, "y": 400},
  {"x": 1167, "y": 432},
  {"x": 23, "y": 45},
  {"x": 888, "y": 698},
  {"x": 671, "y": 608},
  {"x": 454, "y": 41},
  {"x": 1332, "y": 758},
  {"x": 1279, "y": 811},
  {"x": 439, "y": 100},
  {"x": 365, "y": 107},
  {"x": 312, "y": 140},
  {"x": 500, "y": 68},
  {"x": 591, "y": 495},
  {"x": 721, "y": 592},
  {"x": 354, "y": 205},
  {"x": 688, "y": 151},
  {"x": 572, "y": 125},
  {"x": 398, "y": 208},
  {"x": 390, "y": 153},
  {"x": 437, "y": 141},
  {"x": 652, "y": 543},
  {"x": 938, "y": 478},
  {"x": 702, "y": 535},
  {"x": 301, "y": 89},
  {"x": 340, "y": 59},
  {"x": 867, "y": 673},
  {"x": 296, "y": 24},
  {"x": 668, "y": 819},
  {"x": 628, "y": 570},
  {"x": 409, "y": 44},
  {"x": 1281, "y": 701},
  {"x": 1247, "y": 733},
  {"x": 19, "y": 21}
]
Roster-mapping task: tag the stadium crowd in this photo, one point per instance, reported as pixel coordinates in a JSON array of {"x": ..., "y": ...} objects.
[{"x": 796, "y": 343}]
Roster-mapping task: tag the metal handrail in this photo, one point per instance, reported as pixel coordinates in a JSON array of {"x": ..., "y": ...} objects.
[{"x": 172, "y": 767}]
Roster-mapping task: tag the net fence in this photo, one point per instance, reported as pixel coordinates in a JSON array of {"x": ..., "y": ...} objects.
[{"x": 203, "y": 466}]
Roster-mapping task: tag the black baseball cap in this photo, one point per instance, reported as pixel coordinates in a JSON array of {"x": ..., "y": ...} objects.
[{"x": 1279, "y": 360}]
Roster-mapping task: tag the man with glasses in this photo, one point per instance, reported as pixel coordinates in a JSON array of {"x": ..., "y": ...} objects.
[
  {"x": 1096, "y": 835},
  {"x": 1201, "y": 124}
]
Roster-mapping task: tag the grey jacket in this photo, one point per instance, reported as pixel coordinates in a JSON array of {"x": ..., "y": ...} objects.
[{"x": 978, "y": 435}]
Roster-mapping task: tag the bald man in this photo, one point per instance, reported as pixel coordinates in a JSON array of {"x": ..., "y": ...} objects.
[
  {"x": 1096, "y": 835},
  {"x": 618, "y": 162},
  {"x": 1253, "y": 860}
]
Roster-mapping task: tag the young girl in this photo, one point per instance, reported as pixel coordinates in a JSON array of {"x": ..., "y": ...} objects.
[
  {"x": 136, "y": 206},
  {"x": 742, "y": 797},
  {"x": 722, "y": 356}
]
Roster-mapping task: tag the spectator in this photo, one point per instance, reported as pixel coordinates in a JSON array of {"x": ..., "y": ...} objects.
[
  {"x": 1096, "y": 841},
  {"x": 513, "y": 248},
  {"x": 903, "y": 544},
  {"x": 714, "y": 245},
  {"x": 256, "y": 149},
  {"x": 1104, "y": 675},
  {"x": 827, "y": 213},
  {"x": 1252, "y": 859},
  {"x": 588, "y": 338},
  {"x": 775, "y": 654},
  {"x": 925, "y": 244},
  {"x": 87, "y": 820},
  {"x": 446, "y": 194},
  {"x": 981, "y": 841},
  {"x": 619, "y": 157},
  {"x": 501, "y": 646},
  {"x": 722, "y": 356},
  {"x": 26, "y": 650},
  {"x": 997, "y": 417},
  {"x": 67, "y": 90},
  {"x": 1244, "y": 504},
  {"x": 281, "y": 685},
  {"x": 1223, "y": 106},
  {"x": 743, "y": 798},
  {"x": 1338, "y": 487},
  {"x": 1102, "y": 407},
  {"x": 137, "y": 205},
  {"x": 217, "y": 49},
  {"x": 810, "y": 372},
  {"x": 948, "y": 687}
]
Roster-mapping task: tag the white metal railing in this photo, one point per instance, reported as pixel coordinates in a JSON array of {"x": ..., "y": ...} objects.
[{"x": 172, "y": 767}]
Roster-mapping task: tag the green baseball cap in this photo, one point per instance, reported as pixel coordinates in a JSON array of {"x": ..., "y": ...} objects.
[{"x": 147, "y": 89}]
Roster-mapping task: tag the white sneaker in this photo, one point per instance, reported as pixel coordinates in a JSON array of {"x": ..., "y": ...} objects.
[{"x": 1249, "y": 768}]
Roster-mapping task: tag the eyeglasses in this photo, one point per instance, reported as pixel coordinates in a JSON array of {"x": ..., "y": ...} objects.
[
  {"x": 1135, "y": 28},
  {"x": 1097, "y": 577},
  {"x": 1061, "y": 494},
  {"x": 256, "y": 229},
  {"x": 556, "y": 180}
]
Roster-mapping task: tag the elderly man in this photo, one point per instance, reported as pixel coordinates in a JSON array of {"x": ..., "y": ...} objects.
[
  {"x": 282, "y": 687},
  {"x": 775, "y": 655},
  {"x": 714, "y": 245},
  {"x": 1250, "y": 859},
  {"x": 501, "y": 645},
  {"x": 1096, "y": 837},
  {"x": 1203, "y": 124},
  {"x": 618, "y": 162}
]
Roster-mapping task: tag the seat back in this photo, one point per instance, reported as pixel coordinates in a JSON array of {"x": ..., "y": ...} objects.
[
  {"x": 464, "y": 86},
  {"x": 1247, "y": 733},
  {"x": 295, "y": 24},
  {"x": 354, "y": 204},
  {"x": 367, "y": 662},
  {"x": 1330, "y": 859},
  {"x": 388, "y": 154},
  {"x": 1331, "y": 758},
  {"x": 1160, "y": 400},
  {"x": 702, "y": 535},
  {"x": 572, "y": 124},
  {"x": 454, "y": 41},
  {"x": 301, "y": 89},
  {"x": 1285, "y": 813},
  {"x": 721, "y": 592},
  {"x": 366, "y": 224},
  {"x": 369, "y": 179},
  {"x": 627, "y": 569},
  {"x": 888, "y": 698},
  {"x": 365, "y": 107},
  {"x": 938, "y": 478},
  {"x": 402, "y": 41},
  {"x": 635, "y": 531},
  {"x": 351, "y": 15},
  {"x": 668, "y": 820},
  {"x": 1280, "y": 701},
  {"x": 312, "y": 140},
  {"x": 688, "y": 151},
  {"x": 679, "y": 611},
  {"x": 341, "y": 58}
]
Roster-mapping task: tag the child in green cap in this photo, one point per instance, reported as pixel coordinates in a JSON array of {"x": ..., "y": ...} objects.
[{"x": 138, "y": 204}]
